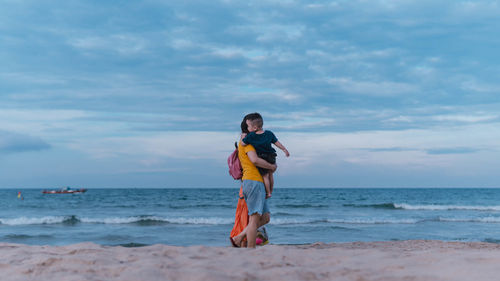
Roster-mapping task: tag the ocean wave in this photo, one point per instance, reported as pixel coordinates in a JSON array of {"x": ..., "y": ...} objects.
[
  {"x": 40, "y": 220},
  {"x": 26, "y": 236},
  {"x": 300, "y": 206},
  {"x": 374, "y": 221},
  {"x": 285, "y": 214},
  {"x": 213, "y": 221},
  {"x": 491, "y": 240},
  {"x": 146, "y": 220},
  {"x": 290, "y": 221},
  {"x": 198, "y": 206},
  {"x": 376, "y": 206},
  {"x": 430, "y": 207},
  {"x": 133, "y": 245},
  {"x": 480, "y": 220},
  {"x": 140, "y": 220},
  {"x": 434, "y": 207},
  {"x": 150, "y": 220},
  {"x": 121, "y": 220}
]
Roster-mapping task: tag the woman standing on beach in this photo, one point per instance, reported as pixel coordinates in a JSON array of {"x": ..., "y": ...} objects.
[{"x": 253, "y": 189}]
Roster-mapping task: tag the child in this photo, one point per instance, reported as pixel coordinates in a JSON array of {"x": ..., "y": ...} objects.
[{"x": 261, "y": 140}]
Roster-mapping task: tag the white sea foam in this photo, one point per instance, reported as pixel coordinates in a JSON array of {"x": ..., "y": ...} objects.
[
  {"x": 285, "y": 221},
  {"x": 434, "y": 207},
  {"x": 374, "y": 221},
  {"x": 179, "y": 220},
  {"x": 214, "y": 221},
  {"x": 480, "y": 220},
  {"x": 188, "y": 220},
  {"x": 113, "y": 220},
  {"x": 28, "y": 221}
]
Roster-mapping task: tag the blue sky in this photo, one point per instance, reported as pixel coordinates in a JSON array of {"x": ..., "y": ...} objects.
[{"x": 151, "y": 93}]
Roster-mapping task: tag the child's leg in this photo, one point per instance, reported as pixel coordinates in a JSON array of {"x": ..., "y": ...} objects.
[
  {"x": 271, "y": 181},
  {"x": 267, "y": 184}
]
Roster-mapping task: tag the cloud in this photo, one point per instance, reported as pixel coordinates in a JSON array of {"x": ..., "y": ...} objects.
[
  {"x": 372, "y": 88},
  {"x": 354, "y": 83},
  {"x": 13, "y": 143},
  {"x": 452, "y": 150},
  {"x": 53, "y": 125},
  {"x": 123, "y": 44},
  {"x": 466, "y": 118},
  {"x": 177, "y": 57},
  {"x": 192, "y": 145},
  {"x": 410, "y": 149},
  {"x": 385, "y": 149}
]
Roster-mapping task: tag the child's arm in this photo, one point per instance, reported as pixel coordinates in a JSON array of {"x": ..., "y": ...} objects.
[
  {"x": 243, "y": 135},
  {"x": 282, "y": 147}
]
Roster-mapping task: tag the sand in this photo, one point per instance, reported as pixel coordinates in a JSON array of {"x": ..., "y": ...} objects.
[{"x": 401, "y": 260}]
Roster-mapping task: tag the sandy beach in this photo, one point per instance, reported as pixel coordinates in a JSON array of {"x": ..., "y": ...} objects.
[{"x": 401, "y": 260}]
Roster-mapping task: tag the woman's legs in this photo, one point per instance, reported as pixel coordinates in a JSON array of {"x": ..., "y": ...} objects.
[
  {"x": 254, "y": 193},
  {"x": 262, "y": 220},
  {"x": 252, "y": 230}
]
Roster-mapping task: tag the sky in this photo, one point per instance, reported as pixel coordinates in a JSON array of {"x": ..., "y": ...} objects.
[{"x": 150, "y": 94}]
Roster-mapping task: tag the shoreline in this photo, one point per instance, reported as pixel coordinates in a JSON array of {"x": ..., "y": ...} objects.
[{"x": 392, "y": 260}]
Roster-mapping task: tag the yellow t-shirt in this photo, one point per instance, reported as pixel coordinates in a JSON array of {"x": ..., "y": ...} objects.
[{"x": 250, "y": 172}]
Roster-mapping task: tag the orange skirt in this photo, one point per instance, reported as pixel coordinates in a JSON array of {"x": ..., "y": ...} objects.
[{"x": 241, "y": 216}]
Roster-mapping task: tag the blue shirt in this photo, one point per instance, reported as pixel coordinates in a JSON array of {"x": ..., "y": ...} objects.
[{"x": 261, "y": 142}]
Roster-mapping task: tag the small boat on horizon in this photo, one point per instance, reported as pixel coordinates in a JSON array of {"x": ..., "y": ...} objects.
[{"x": 64, "y": 190}]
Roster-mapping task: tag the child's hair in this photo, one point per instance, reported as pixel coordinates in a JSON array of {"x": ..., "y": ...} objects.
[{"x": 256, "y": 119}]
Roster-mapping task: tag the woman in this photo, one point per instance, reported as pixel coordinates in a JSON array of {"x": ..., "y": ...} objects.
[{"x": 253, "y": 191}]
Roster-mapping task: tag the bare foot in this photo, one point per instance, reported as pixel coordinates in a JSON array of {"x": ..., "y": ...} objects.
[{"x": 236, "y": 241}]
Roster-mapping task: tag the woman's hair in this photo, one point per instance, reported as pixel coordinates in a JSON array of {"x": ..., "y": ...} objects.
[{"x": 244, "y": 126}]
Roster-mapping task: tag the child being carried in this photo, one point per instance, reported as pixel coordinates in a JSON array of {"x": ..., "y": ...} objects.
[{"x": 261, "y": 140}]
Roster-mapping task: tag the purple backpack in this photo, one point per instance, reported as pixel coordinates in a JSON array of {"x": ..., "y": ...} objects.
[{"x": 234, "y": 164}]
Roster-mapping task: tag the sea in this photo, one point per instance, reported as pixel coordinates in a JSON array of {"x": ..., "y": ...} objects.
[{"x": 201, "y": 216}]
